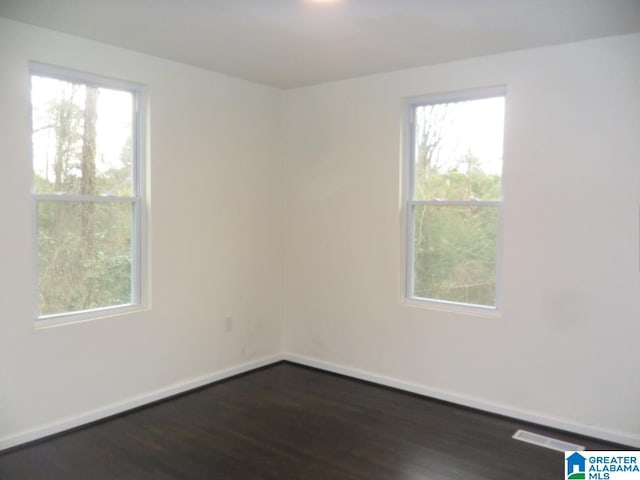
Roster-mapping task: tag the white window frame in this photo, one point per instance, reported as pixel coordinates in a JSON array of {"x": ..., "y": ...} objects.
[
  {"x": 137, "y": 200},
  {"x": 409, "y": 205}
]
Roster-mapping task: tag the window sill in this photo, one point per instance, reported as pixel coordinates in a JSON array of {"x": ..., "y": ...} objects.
[
  {"x": 64, "y": 319},
  {"x": 452, "y": 307}
]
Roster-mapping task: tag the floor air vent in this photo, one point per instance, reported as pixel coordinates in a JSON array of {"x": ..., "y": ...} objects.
[{"x": 546, "y": 442}]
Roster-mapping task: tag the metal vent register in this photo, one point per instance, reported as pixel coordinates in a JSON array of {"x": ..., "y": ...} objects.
[{"x": 546, "y": 442}]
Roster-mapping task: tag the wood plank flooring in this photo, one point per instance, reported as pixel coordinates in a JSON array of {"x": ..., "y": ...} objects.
[{"x": 291, "y": 422}]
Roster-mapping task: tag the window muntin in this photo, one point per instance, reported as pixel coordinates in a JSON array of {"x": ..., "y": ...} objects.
[
  {"x": 86, "y": 149},
  {"x": 454, "y": 198}
]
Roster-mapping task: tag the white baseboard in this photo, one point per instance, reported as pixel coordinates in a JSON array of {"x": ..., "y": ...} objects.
[
  {"x": 131, "y": 403},
  {"x": 552, "y": 422},
  {"x": 182, "y": 387}
]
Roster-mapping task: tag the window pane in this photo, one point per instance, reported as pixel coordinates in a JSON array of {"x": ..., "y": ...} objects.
[
  {"x": 82, "y": 138},
  {"x": 455, "y": 253},
  {"x": 84, "y": 255},
  {"x": 458, "y": 150}
]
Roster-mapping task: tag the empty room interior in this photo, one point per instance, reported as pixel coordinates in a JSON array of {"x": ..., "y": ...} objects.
[{"x": 317, "y": 239}]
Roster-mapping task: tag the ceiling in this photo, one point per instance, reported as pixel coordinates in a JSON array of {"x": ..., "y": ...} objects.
[{"x": 292, "y": 43}]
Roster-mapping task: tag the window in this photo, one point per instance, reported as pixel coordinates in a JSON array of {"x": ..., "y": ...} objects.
[
  {"x": 454, "y": 198},
  {"x": 87, "y": 191}
]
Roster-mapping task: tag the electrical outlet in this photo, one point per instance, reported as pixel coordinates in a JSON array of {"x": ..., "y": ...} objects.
[{"x": 228, "y": 324}]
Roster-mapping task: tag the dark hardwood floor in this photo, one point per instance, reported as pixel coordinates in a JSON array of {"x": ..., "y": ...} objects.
[{"x": 291, "y": 422}]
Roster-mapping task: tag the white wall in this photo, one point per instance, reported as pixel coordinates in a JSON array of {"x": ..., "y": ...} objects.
[
  {"x": 565, "y": 349},
  {"x": 215, "y": 225}
]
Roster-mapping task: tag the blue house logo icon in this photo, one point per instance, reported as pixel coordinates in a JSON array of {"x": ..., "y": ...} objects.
[{"x": 576, "y": 466}]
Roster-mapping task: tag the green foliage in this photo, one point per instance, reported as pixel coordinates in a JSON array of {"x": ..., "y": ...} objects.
[
  {"x": 465, "y": 181},
  {"x": 73, "y": 277},
  {"x": 455, "y": 253}
]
